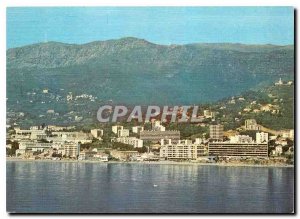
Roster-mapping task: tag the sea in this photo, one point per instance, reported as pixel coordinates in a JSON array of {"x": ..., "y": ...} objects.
[{"x": 77, "y": 187}]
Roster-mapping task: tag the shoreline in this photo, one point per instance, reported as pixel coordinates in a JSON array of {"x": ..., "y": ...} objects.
[{"x": 154, "y": 162}]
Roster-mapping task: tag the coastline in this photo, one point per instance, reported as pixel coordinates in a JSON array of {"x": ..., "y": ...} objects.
[{"x": 8, "y": 159}]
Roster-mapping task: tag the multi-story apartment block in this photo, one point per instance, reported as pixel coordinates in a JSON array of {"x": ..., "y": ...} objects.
[
  {"x": 123, "y": 133},
  {"x": 156, "y": 136},
  {"x": 182, "y": 149},
  {"x": 70, "y": 149},
  {"x": 216, "y": 132},
  {"x": 116, "y": 128},
  {"x": 262, "y": 137},
  {"x": 228, "y": 149},
  {"x": 287, "y": 133},
  {"x": 241, "y": 139},
  {"x": 33, "y": 134},
  {"x": 32, "y": 146},
  {"x": 137, "y": 129},
  {"x": 251, "y": 124},
  {"x": 135, "y": 142},
  {"x": 74, "y": 136}
]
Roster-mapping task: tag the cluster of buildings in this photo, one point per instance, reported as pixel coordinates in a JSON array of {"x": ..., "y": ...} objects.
[
  {"x": 159, "y": 132},
  {"x": 123, "y": 136},
  {"x": 280, "y": 83},
  {"x": 70, "y": 97},
  {"x": 258, "y": 108},
  {"x": 45, "y": 141},
  {"x": 93, "y": 155},
  {"x": 154, "y": 135},
  {"x": 216, "y": 146},
  {"x": 236, "y": 146},
  {"x": 64, "y": 141}
]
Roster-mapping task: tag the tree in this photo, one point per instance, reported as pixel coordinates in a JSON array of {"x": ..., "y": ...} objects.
[
  {"x": 290, "y": 142},
  {"x": 14, "y": 147},
  {"x": 285, "y": 148},
  {"x": 85, "y": 146},
  {"x": 122, "y": 147},
  {"x": 142, "y": 149},
  {"x": 272, "y": 143}
]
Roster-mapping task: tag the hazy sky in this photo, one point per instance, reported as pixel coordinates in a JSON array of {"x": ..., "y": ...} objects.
[{"x": 162, "y": 25}]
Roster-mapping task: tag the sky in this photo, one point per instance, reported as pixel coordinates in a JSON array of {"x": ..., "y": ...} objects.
[{"x": 161, "y": 25}]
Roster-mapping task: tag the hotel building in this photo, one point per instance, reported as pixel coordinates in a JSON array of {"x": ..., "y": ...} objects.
[
  {"x": 251, "y": 124},
  {"x": 135, "y": 142},
  {"x": 216, "y": 132},
  {"x": 70, "y": 149},
  {"x": 230, "y": 149},
  {"x": 182, "y": 149},
  {"x": 156, "y": 136}
]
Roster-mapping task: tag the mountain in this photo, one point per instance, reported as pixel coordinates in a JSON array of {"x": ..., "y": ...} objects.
[{"x": 135, "y": 71}]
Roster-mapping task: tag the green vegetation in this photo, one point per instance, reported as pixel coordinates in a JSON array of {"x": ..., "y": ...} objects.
[
  {"x": 188, "y": 130},
  {"x": 280, "y": 97},
  {"x": 133, "y": 71},
  {"x": 14, "y": 146},
  {"x": 137, "y": 72}
]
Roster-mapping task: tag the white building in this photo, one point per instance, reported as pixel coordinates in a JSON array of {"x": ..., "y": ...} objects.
[
  {"x": 116, "y": 128},
  {"x": 70, "y": 96},
  {"x": 200, "y": 141},
  {"x": 156, "y": 126},
  {"x": 56, "y": 128},
  {"x": 34, "y": 146},
  {"x": 123, "y": 133},
  {"x": 241, "y": 139},
  {"x": 101, "y": 157},
  {"x": 36, "y": 127},
  {"x": 78, "y": 118},
  {"x": 216, "y": 132},
  {"x": 182, "y": 149},
  {"x": 228, "y": 149},
  {"x": 135, "y": 142},
  {"x": 50, "y": 111},
  {"x": 278, "y": 150},
  {"x": 97, "y": 133},
  {"x": 280, "y": 82},
  {"x": 20, "y": 152},
  {"x": 251, "y": 124},
  {"x": 74, "y": 136},
  {"x": 137, "y": 129},
  {"x": 288, "y": 134},
  {"x": 292, "y": 134},
  {"x": 262, "y": 137},
  {"x": 33, "y": 134},
  {"x": 71, "y": 149},
  {"x": 208, "y": 114}
]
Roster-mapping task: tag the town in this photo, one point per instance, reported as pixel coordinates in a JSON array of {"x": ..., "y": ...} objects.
[
  {"x": 157, "y": 144},
  {"x": 226, "y": 132}
]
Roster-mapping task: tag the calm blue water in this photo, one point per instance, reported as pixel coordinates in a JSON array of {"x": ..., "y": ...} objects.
[{"x": 116, "y": 188}]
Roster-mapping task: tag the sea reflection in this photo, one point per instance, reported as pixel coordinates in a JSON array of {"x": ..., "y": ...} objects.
[{"x": 144, "y": 188}]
